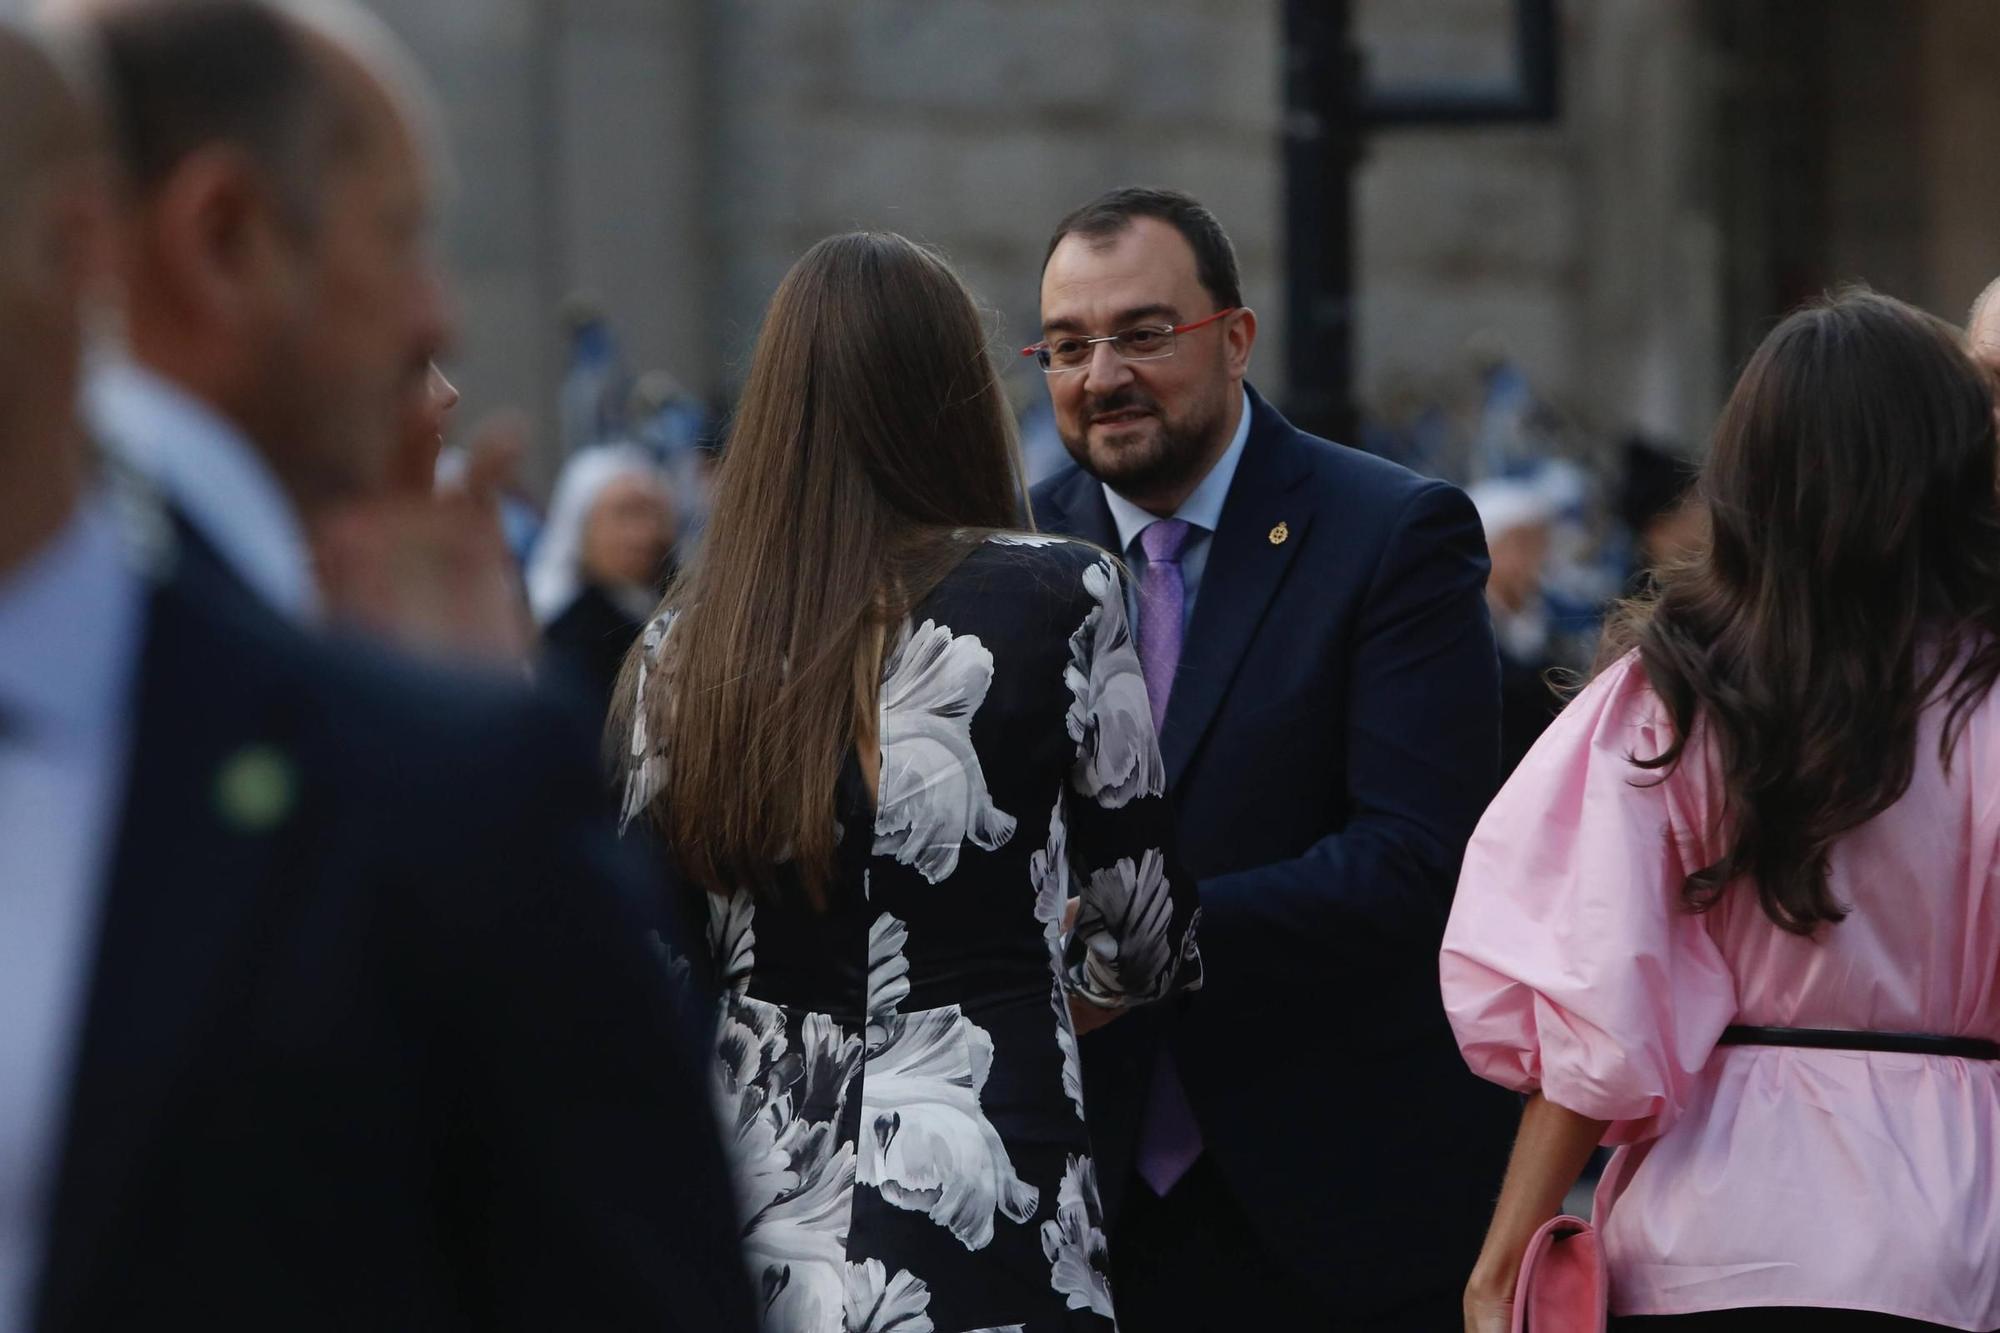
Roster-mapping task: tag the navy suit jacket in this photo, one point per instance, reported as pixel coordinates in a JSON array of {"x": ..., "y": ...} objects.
[
  {"x": 375, "y": 1035},
  {"x": 1331, "y": 739}
]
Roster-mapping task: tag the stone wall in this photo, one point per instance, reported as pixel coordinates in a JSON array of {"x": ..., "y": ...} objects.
[
  {"x": 675, "y": 156},
  {"x": 1583, "y": 250},
  {"x": 975, "y": 126}
]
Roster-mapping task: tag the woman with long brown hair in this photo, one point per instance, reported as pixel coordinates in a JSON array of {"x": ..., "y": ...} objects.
[
  {"x": 904, "y": 753},
  {"x": 1739, "y": 911}
]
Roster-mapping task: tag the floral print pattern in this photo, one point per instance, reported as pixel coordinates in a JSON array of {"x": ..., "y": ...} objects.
[
  {"x": 1074, "y": 1241},
  {"x": 1125, "y": 924},
  {"x": 925, "y": 1142},
  {"x": 933, "y": 796},
  {"x": 646, "y": 762},
  {"x": 879, "y": 1097},
  {"x": 878, "y": 1303},
  {"x": 1109, "y": 717}
]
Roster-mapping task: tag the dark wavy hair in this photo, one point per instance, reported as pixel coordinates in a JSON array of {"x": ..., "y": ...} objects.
[{"x": 1851, "y": 580}]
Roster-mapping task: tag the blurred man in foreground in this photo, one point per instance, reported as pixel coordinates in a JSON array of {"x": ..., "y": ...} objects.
[
  {"x": 325, "y": 1000},
  {"x": 283, "y": 312}
]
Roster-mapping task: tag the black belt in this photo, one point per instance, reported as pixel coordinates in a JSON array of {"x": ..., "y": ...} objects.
[{"x": 1832, "y": 1039}]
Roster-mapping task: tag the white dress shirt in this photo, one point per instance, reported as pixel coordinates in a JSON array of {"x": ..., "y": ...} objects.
[
  {"x": 206, "y": 469},
  {"x": 71, "y": 625},
  {"x": 1202, "y": 510}
]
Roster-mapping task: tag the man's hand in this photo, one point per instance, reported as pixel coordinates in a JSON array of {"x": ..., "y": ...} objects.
[
  {"x": 432, "y": 573},
  {"x": 1087, "y": 1017}
]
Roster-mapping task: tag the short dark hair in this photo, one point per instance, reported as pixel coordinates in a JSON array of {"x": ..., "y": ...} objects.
[
  {"x": 1109, "y": 214},
  {"x": 182, "y": 76}
]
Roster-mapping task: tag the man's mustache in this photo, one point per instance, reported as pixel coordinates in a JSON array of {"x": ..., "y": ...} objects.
[{"x": 1125, "y": 400}]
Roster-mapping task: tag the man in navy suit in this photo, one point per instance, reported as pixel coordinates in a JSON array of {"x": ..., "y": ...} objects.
[
  {"x": 1299, "y": 1146},
  {"x": 328, "y": 997}
]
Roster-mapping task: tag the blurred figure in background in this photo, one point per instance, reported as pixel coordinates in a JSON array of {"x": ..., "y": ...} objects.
[
  {"x": 1656, "y": 504},
  {"x": 604, "y": 556},
  {"x": 1516, "y": 515},
  {"x": 672, "y": 425},
  {"x": 592, "y": 401}
]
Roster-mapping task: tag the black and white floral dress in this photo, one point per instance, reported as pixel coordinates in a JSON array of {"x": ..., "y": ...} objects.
[{"x": 898, "y": 1075}]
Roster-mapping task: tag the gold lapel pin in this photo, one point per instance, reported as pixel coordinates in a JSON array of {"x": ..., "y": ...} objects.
[
  {"x": 256, "y": 788},
  {"x": 1280, "y": 533}
]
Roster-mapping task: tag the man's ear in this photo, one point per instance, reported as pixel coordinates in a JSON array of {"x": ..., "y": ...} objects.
[
  {"x": 1239, "y": 336},
  {"x": 219, "y": 236}
]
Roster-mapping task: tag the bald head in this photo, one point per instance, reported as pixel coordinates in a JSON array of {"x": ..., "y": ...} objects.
[
  {"x": 1982, "y": 328},
  {"x": 277, "y": 241},
  {"x": 43, "y": 123},
  {"x": 51, "y": 228}
]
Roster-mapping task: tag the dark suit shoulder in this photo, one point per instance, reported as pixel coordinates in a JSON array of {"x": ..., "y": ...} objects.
[
  {"x": 1363, "y": 479},
  {"x": 367, "y": 722},
  {"x": 1057, "y": 483}
]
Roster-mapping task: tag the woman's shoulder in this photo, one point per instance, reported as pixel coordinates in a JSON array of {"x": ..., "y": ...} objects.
[
  {"x": 1032, "y": 560},
  {"x": 1027, "y": 584}
]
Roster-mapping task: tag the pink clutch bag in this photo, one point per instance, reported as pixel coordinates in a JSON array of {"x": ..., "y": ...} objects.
[{"x": 1563, "y": 1287}]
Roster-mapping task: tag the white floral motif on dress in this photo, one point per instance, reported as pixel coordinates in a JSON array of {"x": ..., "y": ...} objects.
[
  {"x": 645, "y": 772},
  {"x": 793, "y": 1179},
  {"x": 1125, "y": 923},
  {"x": 1073, "y": 1241},
  {"x": 888, "y": 975},
  {"x": 797, "y": 1248},
  {"x": 1118, "y": 754},
  {"x": 1049, "y": 869},
  {"x": 1072, "y": 1059},
  {"x": 933, "y": 795},
  {"x": 925, "y": 1142},
  {"x": 878, "y": 1303},
  {"x": 1032, "y": 539},
  {"x": 732, "y": 939}
]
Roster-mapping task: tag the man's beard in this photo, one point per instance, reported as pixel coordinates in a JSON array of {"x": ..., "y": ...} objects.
[{"x": 1177, "y": 451}]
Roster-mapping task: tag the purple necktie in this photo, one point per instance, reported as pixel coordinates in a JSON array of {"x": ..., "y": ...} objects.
[{"x": 1169, "y": 1139}]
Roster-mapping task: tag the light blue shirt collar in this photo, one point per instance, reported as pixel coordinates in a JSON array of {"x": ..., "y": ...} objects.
[
  {"x": 206, "y": 468},
  {"x": 1202, "y": 508},
  {"x": 69, "y": 627}
]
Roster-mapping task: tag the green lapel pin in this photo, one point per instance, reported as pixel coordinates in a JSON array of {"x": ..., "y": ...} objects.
[{"x": 255, "y": 789}]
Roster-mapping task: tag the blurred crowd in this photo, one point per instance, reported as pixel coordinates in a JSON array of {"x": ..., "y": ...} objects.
[{"x": 911, "y": 863}]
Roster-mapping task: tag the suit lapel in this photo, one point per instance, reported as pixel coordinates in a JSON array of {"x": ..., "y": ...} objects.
[
  {"x": 1078, "y": 510},
  {"x": 1247, "y": 560},
  {"x": 210, "y": 794}
]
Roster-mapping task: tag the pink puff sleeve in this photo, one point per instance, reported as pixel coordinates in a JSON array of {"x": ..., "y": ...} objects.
[{"x": 1569, "y": 964}]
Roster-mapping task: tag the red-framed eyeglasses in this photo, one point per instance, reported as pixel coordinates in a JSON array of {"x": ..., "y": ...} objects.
[{"x": 1141, "y": 342}]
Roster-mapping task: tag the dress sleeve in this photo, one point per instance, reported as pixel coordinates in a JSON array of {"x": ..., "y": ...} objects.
[
  {"x": 645, "y": 755},
  {"x": 1569, "y": 964},
  {"x": 1134, "y": 937}
]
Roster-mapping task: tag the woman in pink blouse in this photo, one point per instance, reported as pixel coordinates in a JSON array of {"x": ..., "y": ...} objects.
[{"x": 1779, "y": 810}]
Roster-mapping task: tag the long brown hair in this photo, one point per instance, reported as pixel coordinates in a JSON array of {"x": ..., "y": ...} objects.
[
  {"x": 1852, "y": 577},
  {"x": 872, "y": 446}
]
